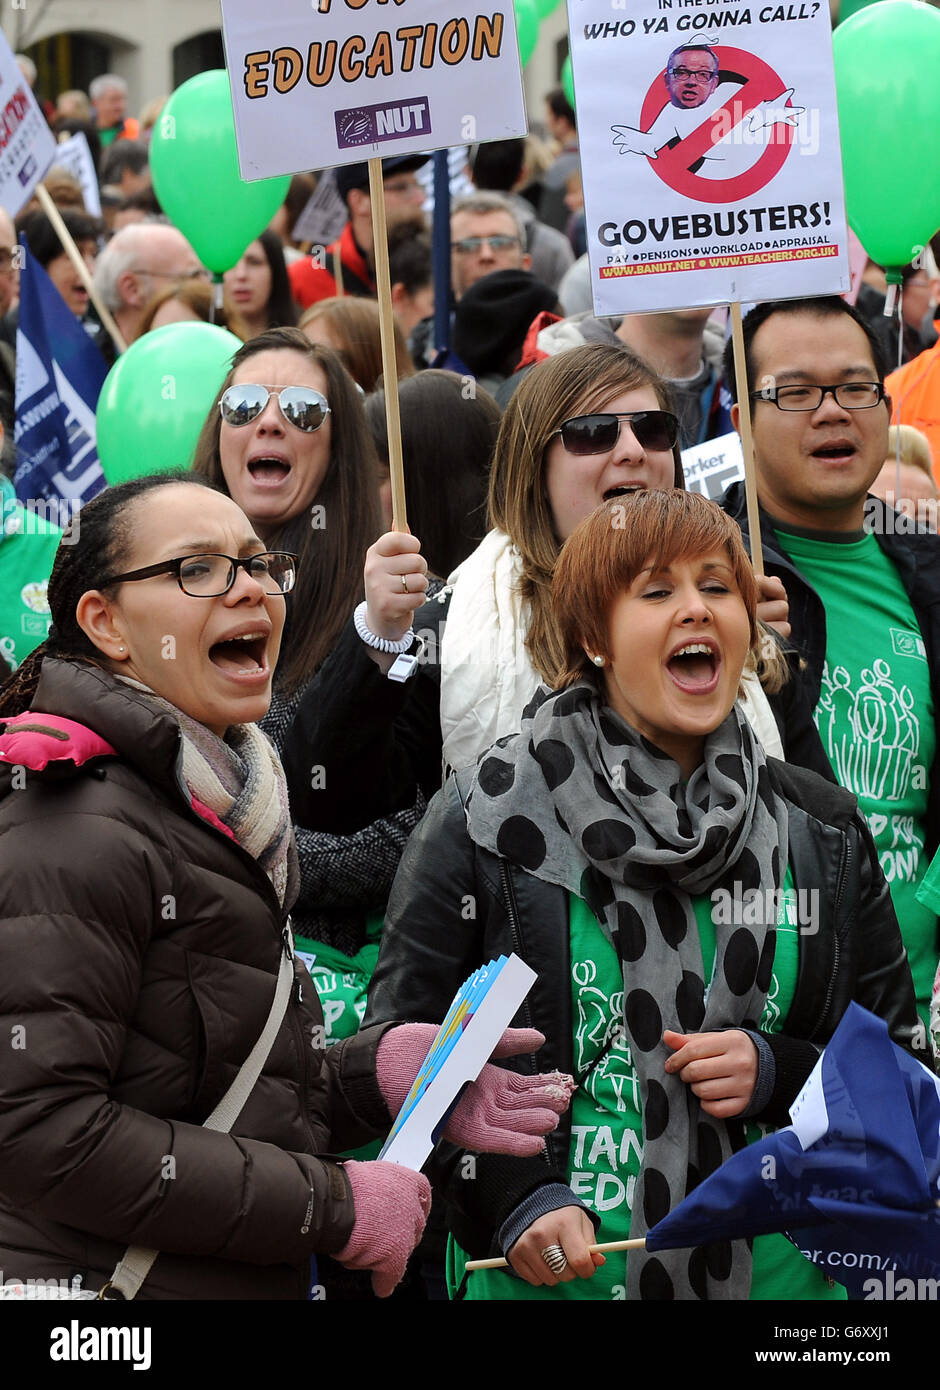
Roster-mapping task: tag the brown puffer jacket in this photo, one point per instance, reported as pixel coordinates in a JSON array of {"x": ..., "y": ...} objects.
[{"x": 139, "y": 950}]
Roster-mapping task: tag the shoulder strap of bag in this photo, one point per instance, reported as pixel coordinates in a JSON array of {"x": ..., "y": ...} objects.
[{"x": 135, "y": 1264}]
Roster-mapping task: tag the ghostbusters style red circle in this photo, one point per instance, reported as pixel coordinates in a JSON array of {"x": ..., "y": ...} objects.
[{"x": 674, "y": 164}]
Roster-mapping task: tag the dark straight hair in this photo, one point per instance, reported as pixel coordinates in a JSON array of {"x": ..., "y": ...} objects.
[
  {"x": 282, "y": 311},
  {"x": 331, "y": 555},
  {"x": 447, "y": 442},
  {"x": 828, "y": 306}
]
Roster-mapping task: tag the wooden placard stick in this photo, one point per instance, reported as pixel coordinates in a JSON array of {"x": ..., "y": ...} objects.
[
  {"x": 747, "y": 441},
  {"x": 389, "y": 362},
  {"x": 637, "y": 1243},
  {"x": 72, "y": 251}
]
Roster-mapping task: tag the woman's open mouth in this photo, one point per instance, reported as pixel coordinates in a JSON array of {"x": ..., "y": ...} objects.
[
  {"x": 269, "y": 470},
  {"x": 242, "y": 658},
  {"x": 623, "y": 490},
  {"x": 694, "y": 668}
]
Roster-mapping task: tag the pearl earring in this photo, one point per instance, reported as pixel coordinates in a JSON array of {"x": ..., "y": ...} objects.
[{"x": 598, "y": 660}]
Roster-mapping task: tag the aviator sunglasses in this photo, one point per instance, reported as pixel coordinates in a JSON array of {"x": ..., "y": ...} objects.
[
  {"x": 656, "y": 430},
  {"x": 300, "y": 406}
]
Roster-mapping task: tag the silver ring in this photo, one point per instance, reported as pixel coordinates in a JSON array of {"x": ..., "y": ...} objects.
[
  {"x": 555, "y": 1258},
  {"x": 404, "y": 584}
]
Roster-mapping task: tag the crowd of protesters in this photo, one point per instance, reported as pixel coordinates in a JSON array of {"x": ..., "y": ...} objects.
[{"x": 557, "y": 715}]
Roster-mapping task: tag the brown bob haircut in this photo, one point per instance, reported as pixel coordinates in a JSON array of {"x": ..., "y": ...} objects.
[
  {"x": 575, "y": 382},
  {"x": 626, "y": 535}
]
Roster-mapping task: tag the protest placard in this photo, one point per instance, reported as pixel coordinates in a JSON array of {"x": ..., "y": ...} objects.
[
  {"x": 73, "y": 154},
  {"x": 710, "y": 152},
  {"x": 314, "y": 86},
  {"x": 712, "y": 467},
  {"x": 27, "y": 145}
]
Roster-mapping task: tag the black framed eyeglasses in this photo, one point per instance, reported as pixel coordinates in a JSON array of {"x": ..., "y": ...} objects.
[
  {"x": 300, "y": 406},
  {"x": 211, "y": 576},
  {"x": 691, "y": 75},
  {"x": 851, "y": 395},
  {"x": 656, "y": 430}
]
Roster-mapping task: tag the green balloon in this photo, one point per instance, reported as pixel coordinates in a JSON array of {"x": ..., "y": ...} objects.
[
  {"x": 194, "y": 164},
  {"x": 527, "y": 27},
  {"x": 156, "y": 397},
  {"x": 886, "y": 60},
  {"x": 567, "y": 79}
]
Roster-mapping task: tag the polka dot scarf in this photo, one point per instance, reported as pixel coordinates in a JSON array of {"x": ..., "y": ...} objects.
[{"x": 581, "y": 800}]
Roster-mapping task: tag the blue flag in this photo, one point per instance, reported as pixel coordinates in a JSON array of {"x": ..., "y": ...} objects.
[
  {"x": 59, "y": 374},
  {"x": 853, "y": 1181}
]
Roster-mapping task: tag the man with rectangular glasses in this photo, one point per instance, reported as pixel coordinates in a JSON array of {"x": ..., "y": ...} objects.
[{"x": 864, "y": 591}]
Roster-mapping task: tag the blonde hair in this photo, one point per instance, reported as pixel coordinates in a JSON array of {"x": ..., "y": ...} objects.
[{"x": 915, "y": 447}]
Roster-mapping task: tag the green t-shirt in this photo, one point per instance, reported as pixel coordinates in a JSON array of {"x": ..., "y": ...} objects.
[
  {"x": 28, "y": 544},
  {"x": 876, "y": 719},
  {"x": 606, "y": 1149},
  {"x": 342, "y": 983}
]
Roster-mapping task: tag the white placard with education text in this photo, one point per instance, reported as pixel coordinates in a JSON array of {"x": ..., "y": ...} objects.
[
  {"x": 710, "y": 151},
  {"x": 27, "y": 145},
  {"x": 340, "y": 82}
]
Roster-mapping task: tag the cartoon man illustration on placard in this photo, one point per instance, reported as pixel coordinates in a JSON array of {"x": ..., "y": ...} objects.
[{"x": 700, "y": 96}]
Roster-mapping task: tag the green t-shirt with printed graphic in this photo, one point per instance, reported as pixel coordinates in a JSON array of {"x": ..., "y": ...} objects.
[
  {"x": 28, "y": 545},
  {"x": 876, "y": 719},
  {"x": 606, "y": 1150},
  {"x": 342, "y": 983}
]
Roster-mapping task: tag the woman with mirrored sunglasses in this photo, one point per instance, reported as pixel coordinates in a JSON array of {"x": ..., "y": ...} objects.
[{"x": 584, "y": 426}]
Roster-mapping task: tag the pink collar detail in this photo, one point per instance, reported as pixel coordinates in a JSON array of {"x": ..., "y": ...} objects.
[
  {"x": 35, "y": 740},
  {"x": 207, "y": 814}
]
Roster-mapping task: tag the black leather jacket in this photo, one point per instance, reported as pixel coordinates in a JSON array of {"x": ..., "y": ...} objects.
[{"x": 455, "y": 905}]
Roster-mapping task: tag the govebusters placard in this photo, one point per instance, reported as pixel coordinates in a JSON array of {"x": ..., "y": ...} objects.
[
  {"x": 340, "y": 81},
  {"x": 710, "y": 151}
]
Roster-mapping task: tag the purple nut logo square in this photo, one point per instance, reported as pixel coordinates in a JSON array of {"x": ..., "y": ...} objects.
[{"x": 370, "y": 125}]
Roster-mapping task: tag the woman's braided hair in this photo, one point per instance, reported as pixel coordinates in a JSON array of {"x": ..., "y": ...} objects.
[{"x": 93, "y": 547}]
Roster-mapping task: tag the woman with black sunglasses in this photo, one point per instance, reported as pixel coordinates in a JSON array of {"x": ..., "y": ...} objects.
[{"x": 586, "y": 425}]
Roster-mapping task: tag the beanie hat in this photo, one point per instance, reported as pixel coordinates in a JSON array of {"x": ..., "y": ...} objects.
[{"x": 491, "y": 320}]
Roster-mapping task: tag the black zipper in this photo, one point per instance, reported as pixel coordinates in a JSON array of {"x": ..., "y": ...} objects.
[
  {"x": 515, "y": 931},
  {"x": 517, "y": 943},
  {"x": 843, "y": 875}
]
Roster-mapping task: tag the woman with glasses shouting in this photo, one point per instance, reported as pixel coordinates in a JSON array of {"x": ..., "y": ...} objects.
[
  {"x": 585, "y": 426},
  {"x": 287, "y": 439},
  {"x": 146, "y": 871}
]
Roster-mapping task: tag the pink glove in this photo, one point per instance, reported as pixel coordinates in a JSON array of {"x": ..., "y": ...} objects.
[
  {"x": 392, "y": 1205},
  {"x": 501, "y": 1112}
]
